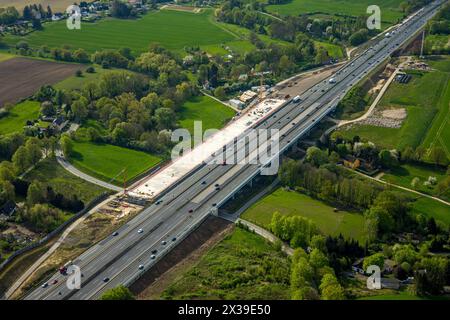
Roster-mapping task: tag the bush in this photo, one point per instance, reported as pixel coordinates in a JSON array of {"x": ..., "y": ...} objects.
[
  {"x": 79, "y": 73},
  {"x": 90, "y": 70}
]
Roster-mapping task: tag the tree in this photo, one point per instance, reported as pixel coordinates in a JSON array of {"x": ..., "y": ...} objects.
[
  {"x": 438, "y": 156},
  {"x": 330, "y": 288},
  {"x": 165, "y": 118},
  {"x": 219, "y": 93},
  {"x": 47, "y": 109},
  {"x": 316, "y": 156},
  {"x": 376, "y": 259},
  {"x": 21, "y": 160},
  {"x": 7, "y": 171},
  {"x": 387, "y": 160},
  {"x": 431, "y": 277},
  {"x": 118, "y": 293},
  {"x": 36, "y": 193},
  {"x": 66, "y": 145},
  {"x": 79, "y": 109},
  {"x": 6, "y": 191}
]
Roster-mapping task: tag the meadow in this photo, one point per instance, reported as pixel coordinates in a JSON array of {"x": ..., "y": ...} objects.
[
  {"x": 233, "y": 270},
  {"x": 405, "y": 174},
  {"x": 348, "y": 224},
  {"x": 18, "y": 116},
  {"x": 213, "y": 114},
  {"x": 106, "y": 161},
  {"x": 172, "y": 29},
  {"x": 50, "y": 173},
  {"x": 426, "y": 100},
  {"x": 390, "y": 11},
  {"x": 75, "y": 83}
]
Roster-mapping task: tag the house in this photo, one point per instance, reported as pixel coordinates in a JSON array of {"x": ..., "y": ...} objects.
[
  {"x": 8, "y": 209},
  {"x": 388, "y": 283},
  {"x": 60, "y": 123},
  {"x": 57, "y": 16},
  {"x": 248, "y": 96},
  {"x": 237, "y": 104}
]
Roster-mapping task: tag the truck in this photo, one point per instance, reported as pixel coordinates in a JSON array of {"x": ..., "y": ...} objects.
[{"x": 296, "y": 99}]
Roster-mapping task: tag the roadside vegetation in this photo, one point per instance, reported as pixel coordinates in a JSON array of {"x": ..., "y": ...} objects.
[{"x": 243, "y": 266}]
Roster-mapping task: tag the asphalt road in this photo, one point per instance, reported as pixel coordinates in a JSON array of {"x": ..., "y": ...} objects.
[{"x": 116, "y": 259}]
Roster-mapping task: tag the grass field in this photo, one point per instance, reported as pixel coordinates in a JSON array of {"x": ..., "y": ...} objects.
[
  {"x": 172, "y": 29},
  {"x": 426, "y": 101},
  {"x": 5, "y": 56},
  {"x": 404, "y": 175},
  {"x": 432, "y": 208},
  {"x": 106, "y": 161},
  {"x": 243, "y": 267},
  {"x": 18, "y": 116},
  {"x": 390, "y": 11},
  {"x": 294, "y": 203},
  {"x": 51, "y": 173},
  {"x": 213, "y": 114},
  {"x": 76, "y": 83}
]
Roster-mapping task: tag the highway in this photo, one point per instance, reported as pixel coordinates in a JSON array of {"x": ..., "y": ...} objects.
[{"x": 117, "y": 259}]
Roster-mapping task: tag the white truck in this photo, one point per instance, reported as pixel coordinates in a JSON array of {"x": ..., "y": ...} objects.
[{"x": 296, "y": 99}]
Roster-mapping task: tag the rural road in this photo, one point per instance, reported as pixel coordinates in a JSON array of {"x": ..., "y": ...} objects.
[
  {"x": 400, "y": 187},
  {"x": 372, "y": 106},
  {"x": 69, "y": 167}
]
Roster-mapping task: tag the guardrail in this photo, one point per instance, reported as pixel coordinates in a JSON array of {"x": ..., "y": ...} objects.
[{"x": 55, "y": 232}]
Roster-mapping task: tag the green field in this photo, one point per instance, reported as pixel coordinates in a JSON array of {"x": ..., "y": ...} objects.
[
  {"x": 437, "y": 44},
  {"x": 212, "y": 113},
  {"x": 432, "y": 208},
  {"x": 293, "y": 203},
  {"x": 51, "y": 173},
  {"x": 243, "y": 266},
  {"x": 106, "y": 161},
  {"x": 172, "y": 29},
  {"x": 404, "y": 175},
  {"x": 18, "y": 116},
  {"x": 426, "y": 101},
  {"x": 390, "y": 11},
  {"x": 76, "y": 83},
  {"x": 5, "y": 56}
]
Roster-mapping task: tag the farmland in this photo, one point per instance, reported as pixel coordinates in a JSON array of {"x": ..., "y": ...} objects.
[
  {"x": 230, "y": 270},
  {"x": 21, "y": 77},
  {"x": 18, "y": 116},
  {"x": 56, "y": 5},
  {"x": 389, "y": 8},
  {"x": 106, "y": 161},
  {"x": 172, "y": 29},
  {"x": 294, "y": 203},
  {"x": 213, "y": 114}
]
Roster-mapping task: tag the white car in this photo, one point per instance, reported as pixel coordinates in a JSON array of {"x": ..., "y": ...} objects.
[
  {"x": 140, "y": 231},
  {"x": 141, "y": 267}
]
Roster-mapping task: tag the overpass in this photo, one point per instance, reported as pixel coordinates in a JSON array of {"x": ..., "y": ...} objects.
[{"x": 181, "y": 207}]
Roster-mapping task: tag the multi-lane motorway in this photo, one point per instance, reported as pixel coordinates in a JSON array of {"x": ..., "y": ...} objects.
[{"x": 121, "y": 258}]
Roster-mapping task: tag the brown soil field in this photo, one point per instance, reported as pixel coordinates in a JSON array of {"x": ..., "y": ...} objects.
[
  {"x": 56, "y": 5},
  {"x": 22, "y": 77}
]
